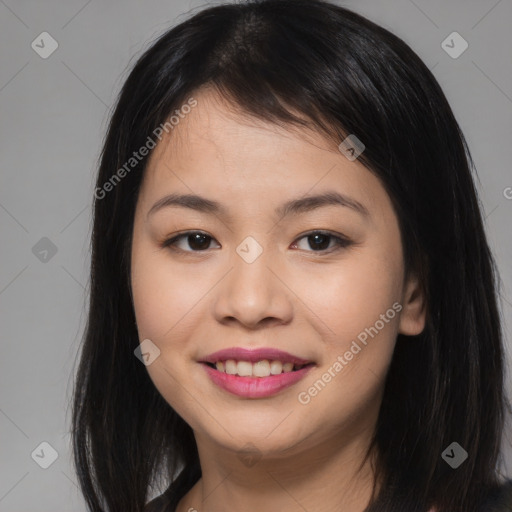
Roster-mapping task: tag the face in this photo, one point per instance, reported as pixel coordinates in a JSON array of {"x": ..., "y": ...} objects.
[{"x": 267, "y": 268}]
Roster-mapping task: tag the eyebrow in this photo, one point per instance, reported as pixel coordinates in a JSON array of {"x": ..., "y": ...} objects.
[{"x": 294, "y": 206}]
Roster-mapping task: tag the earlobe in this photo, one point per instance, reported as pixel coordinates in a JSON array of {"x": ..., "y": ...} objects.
[{"x": 413, "y": 315}]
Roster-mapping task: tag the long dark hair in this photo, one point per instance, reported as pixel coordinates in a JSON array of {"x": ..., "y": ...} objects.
[{"x": 306, "y": 63}]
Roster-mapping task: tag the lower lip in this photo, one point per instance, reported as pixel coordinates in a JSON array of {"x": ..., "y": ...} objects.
[{"x": 255, "y": 387}]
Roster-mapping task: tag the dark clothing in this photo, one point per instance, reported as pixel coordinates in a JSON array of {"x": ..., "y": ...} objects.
[{"x": 499, "y": 500}]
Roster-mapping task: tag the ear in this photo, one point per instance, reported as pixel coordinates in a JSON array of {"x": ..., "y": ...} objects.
[{"x": 413, "y": 314}]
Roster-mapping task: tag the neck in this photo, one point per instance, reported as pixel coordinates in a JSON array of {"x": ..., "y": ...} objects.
[{"x": 319, "y": 478}]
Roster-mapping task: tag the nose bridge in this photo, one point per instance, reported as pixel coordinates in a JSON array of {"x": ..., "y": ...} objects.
[{"x": 251, "y": 291}]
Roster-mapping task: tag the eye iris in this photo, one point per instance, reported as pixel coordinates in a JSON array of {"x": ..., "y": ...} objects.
[
  {"x": 198, "y": 241},
  {"x": 324, "y": 241}
]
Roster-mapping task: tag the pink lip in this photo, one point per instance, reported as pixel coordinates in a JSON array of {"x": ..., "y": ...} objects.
[
  {"x": 255, "y": 387},
  {"x": 254, "y": 355}
]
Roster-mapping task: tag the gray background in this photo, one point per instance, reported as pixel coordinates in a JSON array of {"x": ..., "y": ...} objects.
[{"x": 53, "y": 117}]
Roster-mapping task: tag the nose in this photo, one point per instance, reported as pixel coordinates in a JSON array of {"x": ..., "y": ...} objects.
[{"x": 254, "y": 294}]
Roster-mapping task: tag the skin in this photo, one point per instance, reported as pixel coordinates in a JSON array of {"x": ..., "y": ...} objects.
[{"x": 307, "y": 301}]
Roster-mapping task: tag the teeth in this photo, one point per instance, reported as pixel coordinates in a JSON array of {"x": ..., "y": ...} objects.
[
  {"x": 231, "y": 367},
  {"x": 287, "y": 367},
  {"x": 276, "y": 367},
  {"x": 244, "y": 368},
  {"x": 262, "y": 368}
]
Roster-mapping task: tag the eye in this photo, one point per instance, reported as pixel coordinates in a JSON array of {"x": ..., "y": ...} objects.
[
  {"x": 320, "y": 241},
  {"x": 196, "y": 240}
]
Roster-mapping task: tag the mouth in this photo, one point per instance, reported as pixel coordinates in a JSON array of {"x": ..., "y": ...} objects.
[{"x": 255, "y": 373}]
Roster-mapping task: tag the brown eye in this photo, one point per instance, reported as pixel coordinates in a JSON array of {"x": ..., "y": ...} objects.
[
  {"x": 316, "y": 241},
  {"x": 320, "y": 241},
  {"x": 195, "y": 240}
]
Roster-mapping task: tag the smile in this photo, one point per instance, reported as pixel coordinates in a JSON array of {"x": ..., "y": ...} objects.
[{"x": 256, "y": 373}]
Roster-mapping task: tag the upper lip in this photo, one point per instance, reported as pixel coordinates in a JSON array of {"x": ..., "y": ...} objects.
[{"x": 254, "y": 355}]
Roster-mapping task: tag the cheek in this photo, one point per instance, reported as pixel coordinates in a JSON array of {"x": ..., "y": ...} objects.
[
  {"x": 358, "y": 305},
  {"x": 166, "y": 299},
  {"x": 167, "y": 309},
  {"x": 154, "y": 301},
  {"x": 359, "y": 302},
  {"x": 351, "y": 295}
]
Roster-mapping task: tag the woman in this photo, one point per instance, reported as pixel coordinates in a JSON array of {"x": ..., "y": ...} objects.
[{"x": 293, "y": 302}]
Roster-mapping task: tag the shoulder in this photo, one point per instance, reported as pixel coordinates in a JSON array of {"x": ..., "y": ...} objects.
[
  {"x": 160, "y": 504},
  {"x": 499, "y": 499},
  {"x": 168, "y": 501}
]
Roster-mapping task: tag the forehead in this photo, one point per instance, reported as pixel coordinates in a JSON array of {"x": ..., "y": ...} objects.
[{"x": 217, "y": 150}]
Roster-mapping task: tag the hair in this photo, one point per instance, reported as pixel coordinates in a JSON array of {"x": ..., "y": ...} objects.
[{"x": 313, "y": 65}]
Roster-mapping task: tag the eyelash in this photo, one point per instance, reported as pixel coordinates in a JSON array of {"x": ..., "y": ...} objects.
[{"x": 339, "y": 241}]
